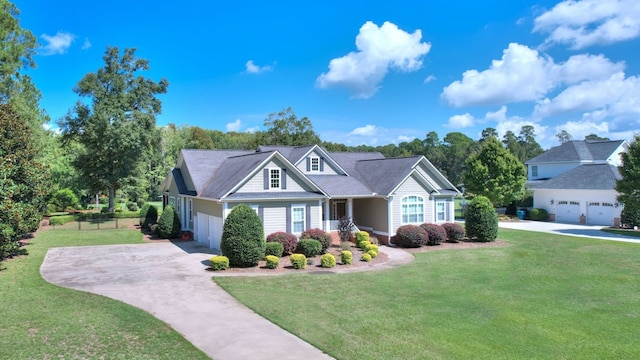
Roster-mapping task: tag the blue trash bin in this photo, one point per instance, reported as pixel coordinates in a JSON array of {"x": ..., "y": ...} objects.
[{"x": 520, "y": 214}]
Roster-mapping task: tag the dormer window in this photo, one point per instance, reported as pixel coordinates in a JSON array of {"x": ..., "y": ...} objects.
[
  {"x": 274, "y": 178},
  {"x": 315, "y": 164}
]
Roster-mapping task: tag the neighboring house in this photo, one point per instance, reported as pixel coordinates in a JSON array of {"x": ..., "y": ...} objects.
[
  {"x": 575, "y": 182},
  {"x": 297, "y": 188}
]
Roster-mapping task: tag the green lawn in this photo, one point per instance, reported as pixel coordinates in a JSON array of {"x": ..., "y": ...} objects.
[
  {"x": 544, "y": 296},
  {"x": 42, "y": 321}
]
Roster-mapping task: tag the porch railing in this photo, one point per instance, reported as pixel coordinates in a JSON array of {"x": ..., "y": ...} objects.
[{"x": 333, "y": 226}]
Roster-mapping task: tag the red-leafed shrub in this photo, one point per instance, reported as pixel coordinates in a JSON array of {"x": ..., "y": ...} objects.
[
  {"x": 411, "y": 236},
  {"x": 455, "y": 232},
  {"x": 320, "y": 235},
  {"x": 289, "y": 241},
  {"x": 437, "y": 234}
]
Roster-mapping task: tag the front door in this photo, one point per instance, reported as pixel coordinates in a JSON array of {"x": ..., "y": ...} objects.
[{"x": 339, "y": 209}]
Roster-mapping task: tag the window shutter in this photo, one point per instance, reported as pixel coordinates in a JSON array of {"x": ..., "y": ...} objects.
[
  {"x": 308, "y": 164},
  {"x": 261, "y": 214},
  {"x": 266, "y": 178},
  {"x": 283, "y": 180},
  {"x": 288, "y": 218},
  {"x": 307, "y": 213},
  {"x": 321, "y": 164}
]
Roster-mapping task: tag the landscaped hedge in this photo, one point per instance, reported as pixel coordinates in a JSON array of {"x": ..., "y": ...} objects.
[
  {"x": 361, "y": 236},
  {"x": 289, "y": 241},
  {"x": 346, "y": 257},
  {"x": 538, "y": 214},
  {"x": 169, "y": 224},
  {"x": 455, "y": 232},
  {"x": 243, "y": 237},
  {"x": 274, "y": 249},
  {"x": 481, "y": 221},
  {"x": 328, "y": 261},
  {"x": 298, "y": 261},
  {"x": 272, "y": 261},
  {"x": 320, "y": 235},
  {"x": 309, "y": 247},
  {"x": 62, "y": 219},
  {"x": 436, "y": 233},
  {"x": 219, "y": 263},
  {"x": 411, "y": 236}
]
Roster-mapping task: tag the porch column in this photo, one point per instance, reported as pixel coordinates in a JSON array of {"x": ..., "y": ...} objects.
[
  {"x": 327, "y": 215},
  {"x": 350, "y": 208}
]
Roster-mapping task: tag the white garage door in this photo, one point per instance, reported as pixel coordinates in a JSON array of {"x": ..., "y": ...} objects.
[
  {"x": 209, "y": 230},
  {"x": 600, "y": 213},
  {"x": 568, "y": 212}
]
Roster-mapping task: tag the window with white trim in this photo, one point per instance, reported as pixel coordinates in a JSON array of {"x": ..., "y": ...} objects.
[
  {"x": 534, "y": 170},
  {"x": 298, "y": 217},
  {"x": 412, "y": 209},
  {"x": 441, "y": 212},
  {"x": 274, "y": 178},
  {"x": 315, "y": 164}
]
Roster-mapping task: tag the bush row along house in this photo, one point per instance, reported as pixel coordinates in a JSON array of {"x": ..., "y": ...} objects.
[{"x": 293, "y": 189}]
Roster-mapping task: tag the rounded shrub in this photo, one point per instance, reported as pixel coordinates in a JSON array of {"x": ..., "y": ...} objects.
[
  {"x": 630, "y": 215},
  {"x": 346, "y": 257},
  {"x": 361, "y": 236},
  {"x": 372, "y": 253},
  {"x": 289, "y": 241},
  {"x": 436, "y": 233},
  {"x": 273, "y": 248},
  {"x": 363, "y": 244},
  {"x": 309, "y": 247},
  {"x": 372, "y": 247},
  {"x": 243, "y": 237},
  {"x": 320, "y": 235},
  {"x": 219, "y": 263},
  {"x": 169, "y": 224},
  {"x": 151, "y": 217},
  {"x": 132, "y": 206},
  {"x": 328, "y": 261},
  {"x": 538, "y": 214},
  {"x": 272, "y": 261},
  {"x": 481, "y": 220},
  {"x": 411, "y": 236},
  {"x": 140, "y": 202},
  {"x": 365, "y": 257},
  {"x": 455, "y": 232},
  {"x": 298, "y": 261},
  {"x": 143, "y": 213},
  {"x": 64, "y": 199}
]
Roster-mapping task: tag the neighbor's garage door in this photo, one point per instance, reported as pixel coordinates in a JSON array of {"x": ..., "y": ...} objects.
[
  {"x": 568, "y": 212},
  {"x": 600, "y": 213}
]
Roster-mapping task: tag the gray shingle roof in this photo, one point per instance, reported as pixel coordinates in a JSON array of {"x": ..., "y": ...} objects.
[
  {"x": 201, "y": 164},
  {"x": 383, "y": 175},
  {"x": 180, "y": 184},
  {"x": 578, "y": 150},
  {"x": 340, "y": 185},
  {"x": 583, "y": 177},
  {"x": 231, "y": 172}
]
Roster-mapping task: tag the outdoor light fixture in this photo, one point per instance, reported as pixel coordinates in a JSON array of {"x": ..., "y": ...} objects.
[{"x": 551, "y": 201}]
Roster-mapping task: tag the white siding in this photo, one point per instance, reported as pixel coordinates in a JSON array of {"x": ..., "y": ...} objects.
[
  {"x": 328, "y": 168},
  {"x": 542, "y": 199}
]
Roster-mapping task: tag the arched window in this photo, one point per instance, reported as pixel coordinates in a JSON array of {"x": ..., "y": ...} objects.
[{"x": 412, "y": 209}]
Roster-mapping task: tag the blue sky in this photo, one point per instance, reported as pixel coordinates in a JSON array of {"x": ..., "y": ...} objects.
[{"x": 364, "y": 72}]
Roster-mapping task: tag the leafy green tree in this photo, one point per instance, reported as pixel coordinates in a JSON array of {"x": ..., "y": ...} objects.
[
  {"x": 595, "y": 137},
  {"x": 434, "y": 149},
  {"x": 495, "y": 173},
  {"x": 488, "y": 133},
  {"x": 457, "y": 148},
  {"x": 528, "y": 144},
  {"x": 481, "y": 220},
  {"x": 285, "y": 128},
  {"x": 24, "y": 182},
  {"x": 563, "y": 136},
  {"x": 116, "y": 125},
  {"x": 511, "y": 143},
  {"x": 64, "y": 199},
  {"x": 628, "y": 186},
  {"x": 243, "y": 237}
]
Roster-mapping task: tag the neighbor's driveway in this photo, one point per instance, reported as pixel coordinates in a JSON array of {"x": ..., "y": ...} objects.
[
  {"x": 592, "y": 231},
  {"x": 170, "y": 281}
]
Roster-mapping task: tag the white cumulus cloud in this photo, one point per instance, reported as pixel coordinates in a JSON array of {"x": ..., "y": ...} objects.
[
  {"x": 57, "y": 44},
  {"x": 585, "y": 23},
  {"x": 252, "y": 68},
  {"x": 233, "y": 126},
  {"x": 367, "y": 130},
  {"x": 379, "y": 49},
  {"x": 461, "y": 121}
]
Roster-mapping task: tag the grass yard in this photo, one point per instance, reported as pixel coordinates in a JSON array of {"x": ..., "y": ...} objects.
[
  {"x": 43, "y": 321},
  {"x": 544, "y": 296},
  {"x": 99, "y": 224}
]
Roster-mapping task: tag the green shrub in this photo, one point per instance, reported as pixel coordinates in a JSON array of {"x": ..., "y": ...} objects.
[
  {"x": 365, "y": 257},
  {"x": 372, "y": 253},
  {"x": 320, "y": 235},
  {"x": 309, "y": 247},
  {"x": 328, "y": 261},
  {"x": 411, "y": 236},
  {"x": 455, "y": 232},
  {"x": 345, "y": 246},
  {"x": 289, "y": 241},
  {"x": 62, "y": 219},
  {"x": 630, "y": 215},
  {"x": 126, "y": 215},
  {"x": 150, "y": 217},
  {"x": 243, "y": 237},
  {"x": 371, "y": 247},
  {"x": 219, "y": 263},
  {"x": 298, "y": 261},
  {"x": 140, "y": 203},
  {"x": 538, "y": 214},
  {"x": 169, "y": 224},
  {"x": 436, "y": 233},
  {"x": 64, "y": 199},
  {"x": 273, "y": 248},
  {"x": 346, "y": 257},
  {"x": 272, "y": 261},
  {"x": 132, "y": 207},
  {"x": 361, "y": 236},
  {"x": 481, "y": 220},
  {"x": 363, "y": 244}
]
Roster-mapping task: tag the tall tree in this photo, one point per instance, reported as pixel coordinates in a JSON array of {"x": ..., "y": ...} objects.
[
  {"x": 24, "y": 182},
  {"x": 595, "y": 137},
  {"x": 457, "y": 149},
  {"x": 528, "y": 144},
  {"x": 510, "y": 142},
  {"x": 628, "y": 186},
  {"x": 564, "y": 136},
  {"x": 433, "y": 149},
  {"x": 285, "y": 128},
  {"x": 495, "y": 173},
  {"x": 488, "y": 133},
  {"x": 116, "y": 125}
]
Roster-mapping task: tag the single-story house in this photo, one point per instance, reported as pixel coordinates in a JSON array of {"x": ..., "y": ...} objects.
[
  {"x": 293, "y": 189},
  {"x": 575, "y": 182}
]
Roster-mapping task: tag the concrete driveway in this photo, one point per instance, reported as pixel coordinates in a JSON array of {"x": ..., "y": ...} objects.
[
  {"x": 592, "y": 231},
  {"x": 169, "y": 281}
]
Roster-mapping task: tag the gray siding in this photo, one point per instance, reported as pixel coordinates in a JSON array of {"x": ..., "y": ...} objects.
[
  {"x": 327, "y": 169},
  {"x": 256, "y": 183},
  {"x": 411, "y": 186},
  {"x": 274, "y": 214}
]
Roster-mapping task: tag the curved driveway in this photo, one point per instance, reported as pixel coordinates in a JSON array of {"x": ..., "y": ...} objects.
[
  {"x": 169, "y": 281},
  {"x": 592, "y": 231}
]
